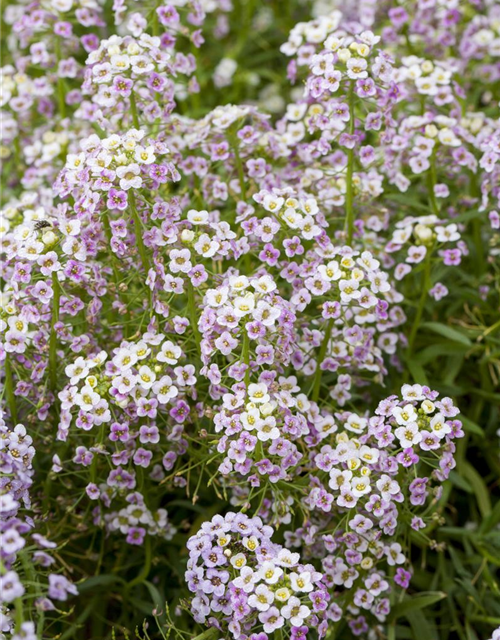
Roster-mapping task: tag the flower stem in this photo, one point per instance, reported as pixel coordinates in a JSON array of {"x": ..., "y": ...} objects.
[
  {"x": 53, "y": 333},
  {"x": 476, "y": 227},
  {"x": 349, "y": 194},
  {"x": 245, "y": 354},
  {"x": 426, "y": 282},
  {"x": 209, "y": 633},
  {"x": 321, "y": 356},
  {"x": 133, "y": 109},
  {"x": 193, "y": 315},
  {"x": 9, "y": 390},
  {"x": 239, "y": 167},
  {"x": 139, "y": 579},
  {"x": 431, "y": 183},
  {"x": 138, "y": 232},
  {"x": 114, "y": 259},
  {"x": 61, "y": 91}
]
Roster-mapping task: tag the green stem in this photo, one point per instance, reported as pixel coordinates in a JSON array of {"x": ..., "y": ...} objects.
[
  {"x": 193, "y": 315},
  {"x": 133, "y": 109},
  {"x": 114, "y": 259},
  {"x": 56, "y": 287},
  {"x": 426, "y": 285},
  {"x": 209, "y": 633},
  {"x": 138, "y": 232},
  {"x": 431, "y": 183},
  {"x": 476, "y": 227},
  {"x": 239, "y": 167},
  {"x": 349, "y": 194},
  {"x": 61, "y": 90},
  {"x": 9, "y": 389},
  {"x": 139, "y": 579},
  {"x": 321, "y": 356},
  {"x": 245, "y": 354},
  {"x": 18, "y": 604}
]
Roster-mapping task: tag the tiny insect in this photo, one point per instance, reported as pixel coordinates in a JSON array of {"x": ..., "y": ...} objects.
[{"x": 42, "y": 224}]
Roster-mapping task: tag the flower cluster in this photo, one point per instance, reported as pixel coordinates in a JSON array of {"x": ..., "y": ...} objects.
[
  {"x": 243, "y": 582},
  {"x": 126, "y": 74},
  {"x": 18, "y": 537},
  {"x": 210, "y": 279}
]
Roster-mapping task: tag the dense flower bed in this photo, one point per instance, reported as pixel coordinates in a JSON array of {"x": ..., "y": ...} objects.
[{"x": 249, "y": 315}]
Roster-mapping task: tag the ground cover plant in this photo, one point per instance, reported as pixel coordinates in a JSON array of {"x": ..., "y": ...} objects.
[{"x": 250, "y": 318}]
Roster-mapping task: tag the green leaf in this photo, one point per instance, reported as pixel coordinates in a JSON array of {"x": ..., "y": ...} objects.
[
  {"x": 460, "y": 482},
  {"x": 414, "y": 603},
  {"x": 157, "y": 599},
  {"x": 447, "y": 332},
  {"x": 479, "y": 487},
  {"x": 104, "y": 580},
  {"x": 417, "y": 371},
  {"x": 489, "y": 547},
  {"x": 434, "y": 351},
  {"x": 421, "y": 626},
  {"x": 471, "y": 427},
  {"x": 408, "y": 200},
  {"x": 492, "y": 520}
]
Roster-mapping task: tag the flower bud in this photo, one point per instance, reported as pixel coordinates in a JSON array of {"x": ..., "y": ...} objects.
[
  {"x": 187, "y": 236},
  {"x": 423, "y": 233},
  {"x": 49, "y": 238},
  {"x": 344, "y": 55}
]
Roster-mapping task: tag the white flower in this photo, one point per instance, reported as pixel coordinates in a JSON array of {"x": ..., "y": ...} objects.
[
  {"x": 412, "y": 392},
  {"x": 356, "y": 424},
  {"x": 257, "y": 392},
  {"x": 238, "y": 561},
  {"x": 439, "y": 426},
  {"x": 302, "y": 581},
  {"x": 394, "y": 555},
  {"x": 405, "y": 415},
  {"x": 427, "y": 406},
  {"x": 272, "y": 203},
  {"x": 76, "y": 371},
  {"x": 331, "y": 271},
  {"x": 197, "y": 217},
  {"x": 246, "y": 580},
  {"x": 356, "y": 68},
  {"x": 265, "y": 284},
  {"x": 360, "y": 486},
  {"x": 387, "y": 487},
  {"x": 408, "y": 435},
  {"x": 270, "y": 573},
  {"x": 448, "y": 233},
  {"x": 287, "y": 559},
  {"x": 217, "y": 297},
  {"x": 282, "y": 594},
  {"x": 170, "y": 353},
  {"x": 267, "y": 429},
  {"x": 87, "y": 399},
  {"x": 426, "y": 85},
  {"x": 165, "y": 390},
  {"x": 239, "y": 283},
  {"x": 262, "y": 598},
  {"x": 144, "y": 155},
  {"x": 206, "y": 246},
  {"x": 448, "y": 138},
  {"x": 250, "y": 419},
  {"x": 367, "y": 261},
  {"x": 349, "y": 290},
  {"x": 124, "y": 359},
  {"x": 295, "y": 612},
  {"x": 129, "y": 176},
  {"x": 146, "y": 377},
  {"x": 244, "y": 305},
  {"x": 295, "y": 112}
]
